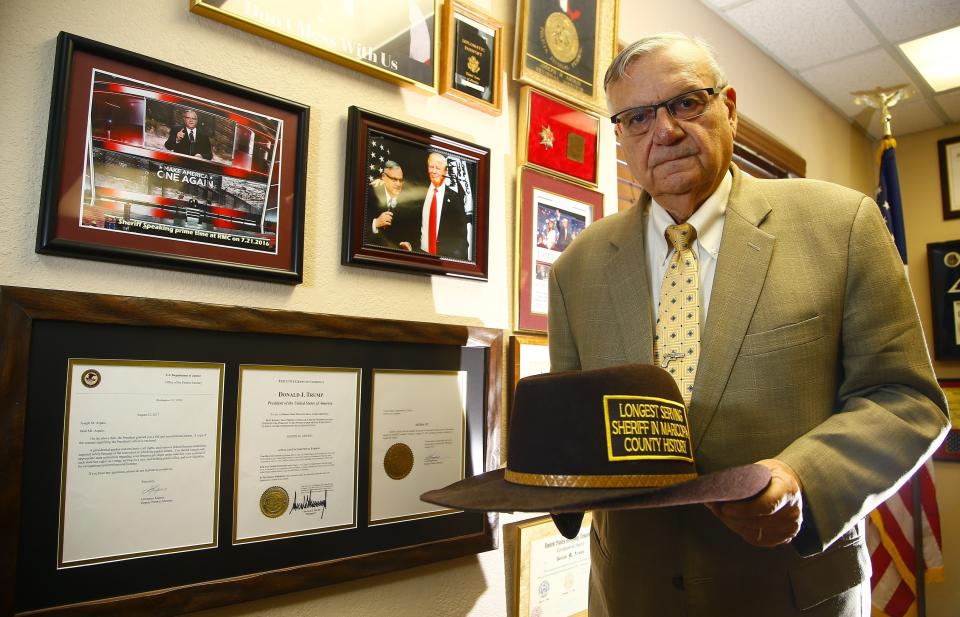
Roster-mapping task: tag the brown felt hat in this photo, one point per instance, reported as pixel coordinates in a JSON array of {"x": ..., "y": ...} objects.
[{"x": 606, "y": 439}]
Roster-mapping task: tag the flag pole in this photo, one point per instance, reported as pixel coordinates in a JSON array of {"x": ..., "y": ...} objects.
[{"x": 883, "y": 98}]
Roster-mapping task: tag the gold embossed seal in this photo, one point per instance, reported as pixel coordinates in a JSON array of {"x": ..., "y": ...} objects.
[
  {"x": 561, "y": 36},
  {"x": 274, "y": 502},
  {"x": 398, "y": 461}
]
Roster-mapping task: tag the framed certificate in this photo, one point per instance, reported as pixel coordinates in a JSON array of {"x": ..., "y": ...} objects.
[
  {"x": 393, "y": 41},
  {"x": 472, "y": 57},
  {"x": 557, "y": 137},
  {"x": 153, "y": 164},
  {"x": 948, "y": 151},
  {"x": 943, "y": 259},
  {"x": 162, "y": 457},
  {"x": 551, "y": 574},
  {"x": 553, "y": 213},
  {"x": 564, "y": 47}
]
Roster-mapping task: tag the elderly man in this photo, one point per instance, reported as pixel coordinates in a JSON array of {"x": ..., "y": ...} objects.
[
  {"x": 391, "y": 222},
  {"x": 782, "y": 310},
  {"x": 443, "y": 228},
  {"x": 188, "y": 138}
]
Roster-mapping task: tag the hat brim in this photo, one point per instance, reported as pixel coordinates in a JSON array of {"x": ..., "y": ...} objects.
[{"x": 490, "y": 492}]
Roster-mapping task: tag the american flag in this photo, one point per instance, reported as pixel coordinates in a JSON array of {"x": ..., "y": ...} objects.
[{"x": 890, "y": 528}]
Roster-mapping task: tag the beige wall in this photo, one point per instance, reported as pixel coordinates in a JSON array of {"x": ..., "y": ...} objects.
[
  {"x": 919, "y": 170},
  {"x": 166, "y": 30}
]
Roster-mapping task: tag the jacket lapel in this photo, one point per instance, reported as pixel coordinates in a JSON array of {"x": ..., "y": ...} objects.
[
  {"x": 628, "y": 286},
  {"x": 745, "y": 253}
]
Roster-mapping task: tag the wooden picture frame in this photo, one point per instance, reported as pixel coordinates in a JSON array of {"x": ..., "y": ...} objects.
[
  {"x": 387, "y": 199},
  {"x": 124, "y": 179},
  {"x": 557, "y": 137},
  {"x": 565, "y": 50},
  {"x": 401, "y": 48},
  {"x": 552, "y": 213},
  {"x": 472, "y": 57},
  {"x": 949, "y": 450},
  {"x": 44, "y": 331},
  {"x": 550, "y": 574},
  {"x": 948, "y": 151}
]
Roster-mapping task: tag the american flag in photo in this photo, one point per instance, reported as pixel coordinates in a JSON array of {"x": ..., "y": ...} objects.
[{"x": 377, "y": 154}]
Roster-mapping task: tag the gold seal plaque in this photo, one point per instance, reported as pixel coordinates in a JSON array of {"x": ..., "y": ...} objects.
[
  {"x": 274, "y": 502},
  {"x": 561, "y": 36},
  {"x": 90, "y": 378},
  {"x": 398, "y": 461}
]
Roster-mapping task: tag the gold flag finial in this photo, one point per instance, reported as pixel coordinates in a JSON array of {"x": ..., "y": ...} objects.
[{"x": 883, "y": 98}]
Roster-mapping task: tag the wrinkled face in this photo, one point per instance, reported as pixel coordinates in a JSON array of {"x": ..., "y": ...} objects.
[
  {"x": 436, "y": 166},
  {"x": 393, "y": 180},
  {"x": 679, "y": 162},
  {"x": 190, "y": 119}
]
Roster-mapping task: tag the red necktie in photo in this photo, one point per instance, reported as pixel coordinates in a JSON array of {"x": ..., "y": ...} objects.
[{"x": 432, "y": 224}]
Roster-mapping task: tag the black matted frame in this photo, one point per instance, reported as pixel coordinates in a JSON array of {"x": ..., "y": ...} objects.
[
  {"x": 462, "y": 241},
  {"x": 943, "y": 260},
  {"x": 948, "y": 151},
  {"x": 117, "y": 187},
  {"x": 42, "y": 328},
  {"x": 472, "y": 57}
]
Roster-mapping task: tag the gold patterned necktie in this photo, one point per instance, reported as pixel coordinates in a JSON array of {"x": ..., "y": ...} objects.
[{"x": 676, "y": 346}]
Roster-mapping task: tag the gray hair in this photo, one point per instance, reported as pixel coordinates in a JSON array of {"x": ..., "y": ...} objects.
[
  {"x": 650, "y": 44},
  {"x": 391, "y": 165}
]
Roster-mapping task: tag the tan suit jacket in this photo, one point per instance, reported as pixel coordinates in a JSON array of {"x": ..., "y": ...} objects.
[{"x": 812, "y": 353}]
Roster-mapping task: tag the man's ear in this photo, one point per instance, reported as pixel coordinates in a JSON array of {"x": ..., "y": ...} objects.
[{"x": 730, "y": 100}]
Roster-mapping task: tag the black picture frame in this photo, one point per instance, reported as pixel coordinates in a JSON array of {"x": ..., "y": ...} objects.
[
  {"x": 122, "y": 181},
  {"x": 943, "y": 259},
  {"x": 948, "y": 153},
  {"x": 40, "y": 330},
  {"x": 462, "y": 241}
]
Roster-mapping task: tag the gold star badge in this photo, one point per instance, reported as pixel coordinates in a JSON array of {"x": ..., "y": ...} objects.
[{"x": 546, "y": 137}]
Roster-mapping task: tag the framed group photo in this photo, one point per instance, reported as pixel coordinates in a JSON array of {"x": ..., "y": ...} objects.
[
  {"x": 557, "y": 137},
  {"x": 396, "y": 42},
  {"x": 415, "y": 200},
  {"x": 472, "y": 57},
  {"x": 564, "y": 46},
  {"x": 151, "y": 163},
  {"x": 552, "y": 214}
]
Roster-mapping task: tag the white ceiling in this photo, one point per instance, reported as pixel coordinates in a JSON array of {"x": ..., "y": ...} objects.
[{"x": 837, "y": 47}]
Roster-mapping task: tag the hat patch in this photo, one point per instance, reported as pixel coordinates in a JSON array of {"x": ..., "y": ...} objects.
[{"x": 646, "y": 428}]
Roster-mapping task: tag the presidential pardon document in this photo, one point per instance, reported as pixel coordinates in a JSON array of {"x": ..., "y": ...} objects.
[
  {"x": 417, "y": 440},
  {"x": 140, "y": 459},
  {"x": 296, "y": 451}
]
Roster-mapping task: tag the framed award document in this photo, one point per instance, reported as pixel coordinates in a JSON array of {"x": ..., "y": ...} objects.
[
  {"x": 472, "y": 57},
  {"x": 557, "y": 137},
  {"x": 551, "y": 574},
  {"x": 564, "y": 47},
  {"x": 162, "y": 457}
]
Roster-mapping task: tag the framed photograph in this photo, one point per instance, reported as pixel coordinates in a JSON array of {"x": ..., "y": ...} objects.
[
  {"x": 949, "y": 450},
  {"x": 557, "y": 137},
  {"x": 415, "y": 200},
  {"x": 472, "y": 56},
  {"x": 390, "y": 40},
  {"x": 163, "y": 457},
  {"x": 153, "y": 164},
  {"x": 565, "y": 46},
  {"x": 949, "y": 152},
  {"x": 550, "y": 574},
  {"x": 553, "y": 213},
  {"x": 943, "y": 259}
]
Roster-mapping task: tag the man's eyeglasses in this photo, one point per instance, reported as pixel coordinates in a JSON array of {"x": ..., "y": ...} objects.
[
  {"x": 687, "y": 106},
  {"x": 389, "y": 177}
]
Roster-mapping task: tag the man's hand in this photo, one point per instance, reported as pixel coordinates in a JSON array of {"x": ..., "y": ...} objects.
[
  {"x": 384, "y": 220},
  {"x": 406, "y": 246},
  {"x": 180, "y": 134},
  {"x": 771, "y": 518}
]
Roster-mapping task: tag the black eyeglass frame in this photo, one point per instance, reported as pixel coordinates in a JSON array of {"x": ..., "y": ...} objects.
[{"x": 615, "y": 118}]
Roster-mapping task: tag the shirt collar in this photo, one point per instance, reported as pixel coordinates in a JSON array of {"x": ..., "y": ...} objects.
[{"x": 704, "y": 220}]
